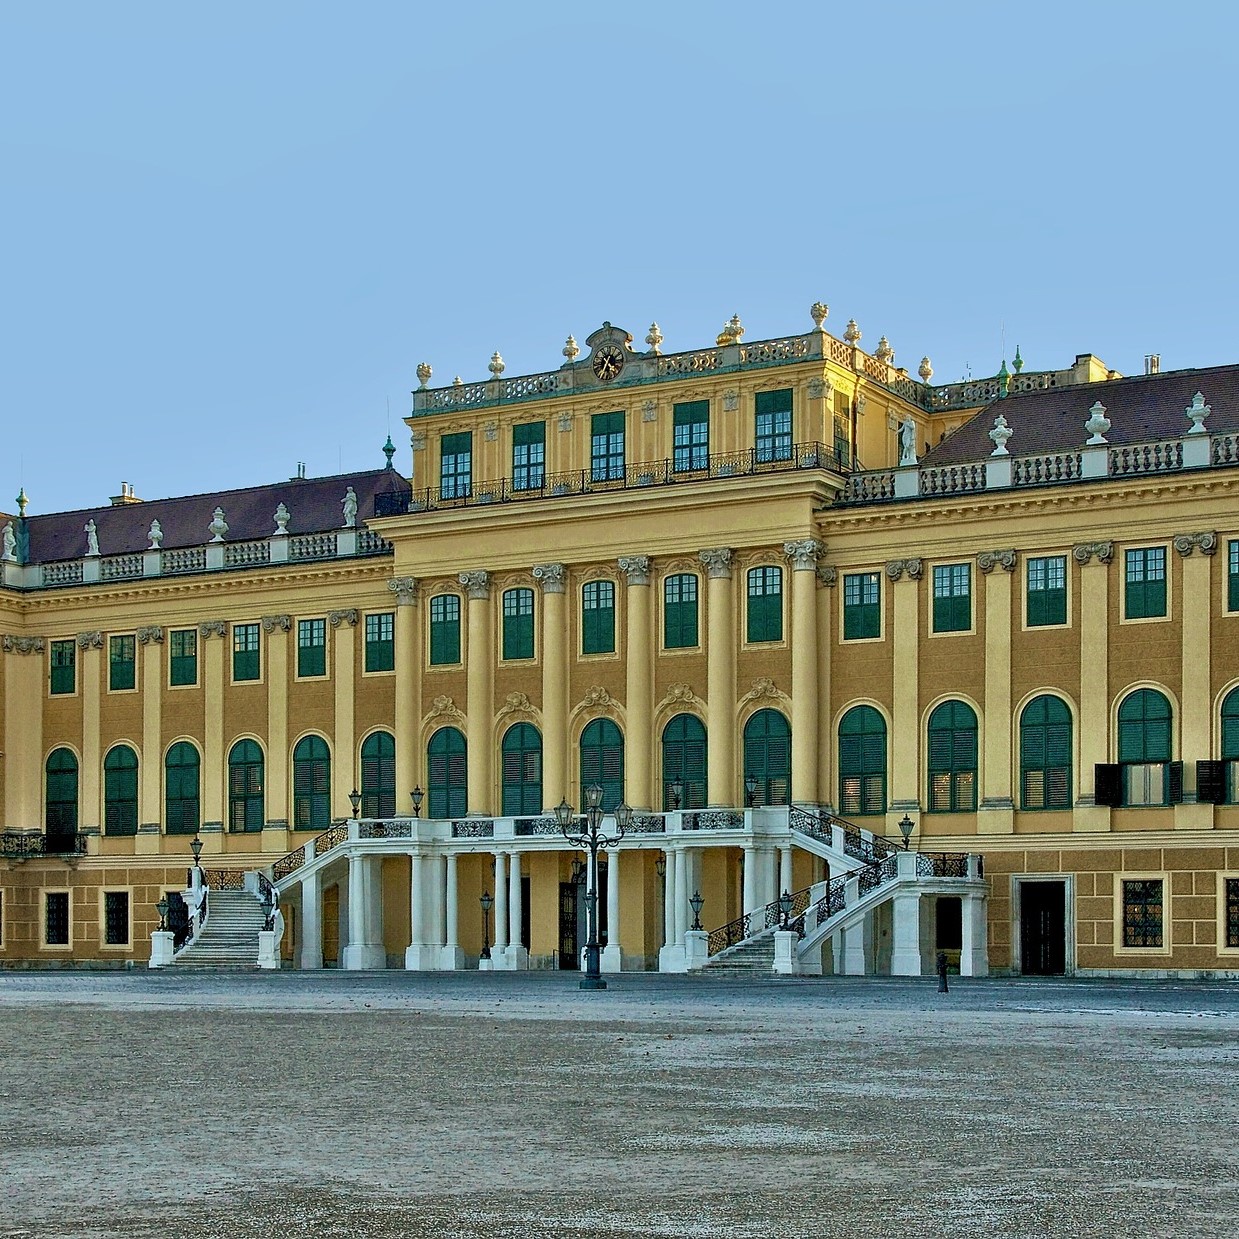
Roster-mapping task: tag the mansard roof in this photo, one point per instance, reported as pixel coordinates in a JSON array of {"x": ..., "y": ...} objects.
[
  {"x": 314, "y": 506},
  {"x": 1142, "y": 409}
]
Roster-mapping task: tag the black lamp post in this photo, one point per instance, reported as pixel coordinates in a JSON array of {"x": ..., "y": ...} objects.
[
  {"x": 677, "y": 793},
  {"x": 195, "y": 847},
  {"x": 906, "y": 827},
  {"x": 354, "y": 798},
  {"x": 417, "y": 795},
  {"x": 750, "y": 789},
  {"x": 162, "y": 908},
  {"x": 695, "y": 903},
  {"x": 660, "y": 865},
  {"x": 592, "y": 839},
  {"x": 785, "y": 909},
  {"x": 487, "y": 904}
]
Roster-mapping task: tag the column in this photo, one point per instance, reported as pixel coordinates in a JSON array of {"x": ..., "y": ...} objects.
[
  {"x": 639, "y": 685},
  {"x": 516, "y": 957},
  {"x": 480, "y": 667},
  {"x": 408, "y": 663},
  {"x": 501, "y": 907},
  {"x": 826, "y": 576},
  {"x": 25, "y": 683},
  {"x": 1196, "y": 614},
  {"x": 750, "y": 879},
  {"x": 723, "y": 777},
  {"x": 554, "y": 683},
  {"x": 312, "y": 921},
  {"x": 803, "y": 556},
  {"x": 683, "y": 919},
  {"x": 150, "y": 642},
  {"x": 377, "y": 950},
  {"x": 974, "y": 943},
  {"x": 612, "y": 955},
  {"x": 90, "y": 794},
  {"x": 354, "y": 951},
  {"x": 906, "y": 943},
  {"x": 1094, "y": 721},
  {"x": 452, "y": 956},
  {"x": 904, "y": 740},
  {"x": 343, "y": 625},
  {"x": 997, "y": 809},
  {"x": 416, "y": 955},
  {"x": 275, "y": 783},
  {"x": 669, "y": 897},
  {"x": 215, "y": 673},
  {"x": 785, "y": 872}
]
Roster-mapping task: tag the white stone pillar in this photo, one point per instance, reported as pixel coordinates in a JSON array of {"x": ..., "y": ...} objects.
[
  {"x": 516, "y": 957},
  {"x": 312, "y": 921},
  {"x": 452, "y": 957},
  {"x": 749, "y": 895},
  {"x": 906, "y": 945},
  {"x": 669, "y": 899},
  {"x": 974, "y": 944},
  {"x": 683, "y": 916},
  {"x": 785, "y": 871},
  {"x": 355, "y": 948},
  {"x": 612, "y": 955},
  {"x": 501, "y": 908}
]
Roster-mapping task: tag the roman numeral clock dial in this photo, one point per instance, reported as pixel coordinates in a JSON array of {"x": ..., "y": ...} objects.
[{"x": 607, "y": 362}]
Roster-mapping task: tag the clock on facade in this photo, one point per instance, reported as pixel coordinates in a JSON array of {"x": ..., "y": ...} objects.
[{"x": 607, "y": 362}]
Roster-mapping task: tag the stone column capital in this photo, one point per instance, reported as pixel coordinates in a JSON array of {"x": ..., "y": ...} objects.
[
  {"x": 348, "y": 616},
  {"x": 636, "y": 568},
  {"x": 717, "y": 561},
  {"x": 272, "y": 623},
  {"x": 895, "y": 569},
  {"x": 552, "y": 577},
  {"x": 1186, "y": 543},
  {"x": 405, "y": 588},
  {"x": 477, "y": 584},
  {"x": 151, "y": 633},
  {"x": 90, "y": 640},
  {"x": 803, "y": 553},
  {"x": 828, "y": 575},
  {"x": 23, "y": 645},
  {"x": 217, "y": 628},
  {"x": 1084, "y": 552},
  {"x": 988, "y": 560}
]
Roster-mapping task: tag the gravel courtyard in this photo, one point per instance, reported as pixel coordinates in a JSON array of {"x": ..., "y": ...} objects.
[{"x": 350, "y": 1104}]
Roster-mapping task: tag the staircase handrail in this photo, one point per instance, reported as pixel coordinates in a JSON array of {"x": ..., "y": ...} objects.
[
  {"x": 814, "y": 822},
  {"x": 772, "y": 916},
  {"x": 269, "y": 897},
  {"x": 294, "y": 860}
]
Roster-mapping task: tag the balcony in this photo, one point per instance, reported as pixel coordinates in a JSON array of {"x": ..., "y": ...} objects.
[{"x": 20, "y": 845}]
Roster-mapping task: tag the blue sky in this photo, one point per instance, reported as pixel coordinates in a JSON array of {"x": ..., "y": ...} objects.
[{"x": 231, "y": 231}]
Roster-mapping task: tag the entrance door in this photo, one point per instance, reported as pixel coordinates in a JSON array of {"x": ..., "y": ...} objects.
[
  {"x": 567, "y": 925},
  {"x": 1043, "y": 928}
]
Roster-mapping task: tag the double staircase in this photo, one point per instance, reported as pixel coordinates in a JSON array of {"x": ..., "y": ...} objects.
[{"x": 229, "y": 938}]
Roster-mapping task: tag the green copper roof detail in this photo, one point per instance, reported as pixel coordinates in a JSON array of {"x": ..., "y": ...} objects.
[{"x": 389, "y": 450}]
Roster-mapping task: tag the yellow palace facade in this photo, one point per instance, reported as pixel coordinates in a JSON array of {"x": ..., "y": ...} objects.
[{"x": 868, "y": 669}]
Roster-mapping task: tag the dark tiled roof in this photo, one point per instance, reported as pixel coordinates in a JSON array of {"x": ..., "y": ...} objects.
[
  {"x": 1141, "y": 409},
  {"x": 313, "y": 505}
]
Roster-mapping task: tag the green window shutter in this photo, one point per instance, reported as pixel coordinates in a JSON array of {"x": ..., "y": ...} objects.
[
  {"x": 378, "y": 775},
  {"x": 765, "y": 604},
  {"x": 768, "y": 757},
  {"x": 680, "y": 612},
  {"x": 602, "y": 760},
  {"x": 521, "y": 771},
  {"x": 311, "y": 648},
  {"x": 183, "y": 646},
  {"x": 1046, "y": 591},
  {"x": 862, "y": 762},
  {"x": 690, "y": 429},
  {"x": 1230, "y": 726},
  {"x": 444, "y": 629},
  {"x": 122, "y": 661},
  {"x": 607, "y": 447},
  {"x": 952, "y": 587},
  {"x": 61, "y": 792},
  {"x": 773, "y": 425},
  {"x": 120, "y": 791},
  {"x": 598, "y": 617},
  {"x": 456, "y": 465},
  {"x": 862, "y": 616},
  {"x": 1045, "y": 754},
  {"x": 528, "y": 456},
  {"x": 1232, "y": 576},
  {"x": 952, "y": 758},
  {"x": 63, "y": 664},
  {"x": 311, "y": 784},
  {"x": 1144, "y": 727},
  {"x": 181, "y": 789},
  {"x": 246, "y": 809},
  {"x": 518, "y": 623},
  {"x": 1145, "y": 582},
  {"x": 447, "y": 774},
  {"x": 381, "y": 642},
  {"x": 245, "y": 655},
  {"x": 684, "y": 759}
]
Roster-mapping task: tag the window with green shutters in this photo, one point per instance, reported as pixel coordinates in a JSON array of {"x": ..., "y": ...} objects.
[
  {"x": 862, "y": 610},
  {"x": 768, "y": 757},
  {"x": 1230, "y": 743},
  {"x": 680, "y": 611},
  {"x": 120, "y": 791},
  {"x": 122, "y": 663},
  {"x": 381, "y": 641},
  {"x": 1047, "y": 591},
  {"x": 598, "y": 617},
  {"x": 842, "y": 420},
  {"x": 690, "y": 430},
  {"x": 115, "y": 918},
  {"x": 378, "y": 775},
  {"x": 447, "y": 774},
  {"x": 602, "y": 760},
  {"x": 61, "y": 793},
  {"x": 181, "y": 790},
  {"x": 311, "y": 784},
  {"x": 765, "y": 610},
  {"x": 953, "y": 758},
  {"x": 528, "y": 456},
  {"x": 245, "y": 655},
  {"x": 456, "y": 465},
  {"x": 684, "y": 762},
  {"x": 862, "y": 762},
  {"x": 521, "y": 773},
  {"x": 1142, "y": 912},
  {"x": 1232, "y": 576},
  {"x": 1045, "y": 754},
  {"x": 1145, "y": 583},
  {"x": 953, "y": 598},
  {"x": 183, "y": 652},
  {"x": 63, "y": 660},
  {"x": 517, "y": 623},
  {"x": 311, "y": 648},
  {"x": 1144, "y": 747},
  {"x": 246, "y": 810},
  {"x": 606, "y": 447},
  {"x": 444, "y": 629},
  {"x": 773, "y": 425}
]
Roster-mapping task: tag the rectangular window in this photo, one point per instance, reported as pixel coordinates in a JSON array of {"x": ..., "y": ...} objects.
[
  {"x": 1142, "y": 912},
  {"x": 1146, "y": 582},
  {"x": 606, "y": 448},
  {"x": 63, "y": 656},
  {"x": 1232, "y": 576},
  {"x": 518, "y": 623},
  {"x": 862, "y": 611},
  {"x": 1152, "y": 783},
  {"x": 116, "y": 918},
  {"x": 444, "y": 629},
  {"x": 773, "y": 430},
  {"x": 1047, "y": 591},
  {"x": 1231, "y": 913},
  {"x": 690, "y": 430},
  {"x": 56, "y": 918},
  {"x": 528, "y": 456},
  {"x": 456, "y": 465},
  {"x": 598, "y": 618},
  {"x": 765, "y": 613},
  {"x": 311, "y": 648},
  {"x": 183, "y": 646},
  {"x": 122, "y": 663},
  {"x": 381, "y": 642},
  {"x": 680, "y": 612},
  {"x": 953, "y": 598},
  {"x": 245, "y": 664},
  {"x": 843, "y": 431}
]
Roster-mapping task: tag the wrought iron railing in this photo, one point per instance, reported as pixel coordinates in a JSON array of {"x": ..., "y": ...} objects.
[
  {"x": 396, "y": 828},
  {"x": 771, "y": 917},
  {"x": 288, "y": 864},
  {"x": 942, "y": 865},
  {"x": 224, "y": 879},
  {"x": 473, "y": 829},
  {"x": 526, "y": 827},
  {"x": 20, "y": 845},
  {"x": 712, "y": 819}
]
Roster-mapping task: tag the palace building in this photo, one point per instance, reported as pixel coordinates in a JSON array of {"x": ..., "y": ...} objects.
[{"x": 863, "y": 669}]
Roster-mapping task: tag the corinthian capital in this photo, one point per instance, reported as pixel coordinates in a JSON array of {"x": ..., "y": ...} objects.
[
  {"x": 551, "y": 577},
  {"x": 476, "y": 583},
  {"x": 636, "y": 568},
  {"x": 1186, "y": 543},
  {"x": 717, "y": 561},
  {"x": 803, "y": 553},
  {"x": 405, "y": 589}
]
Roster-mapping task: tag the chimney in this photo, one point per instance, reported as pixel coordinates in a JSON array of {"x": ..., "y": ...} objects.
[
  {"x": 126, "y": 496},
  {"x": 1152, "y": 363}
]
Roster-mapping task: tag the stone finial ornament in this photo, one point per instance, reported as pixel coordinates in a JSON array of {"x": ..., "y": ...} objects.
[
  {"x": 458, "y": 381},
  {"x": 572, "y": 350},
  {"x": 817, "y": 312},
  {"x": 349, "y": 505},
  {"x": 154, "y": 536},
  {"x": 389, "y": 450},
  {"x": 884, "y": 352},
  {"x": 21, "y": 503},
  {"x": 1198, "y": 411},
  {"x": 654, "y": 338},
  {"x": 1097, "y": 425},
  {"x": 91, "y": 530},
  {"x": 497, "y": 365},
  {"x": 282, "y": 517},
  {"x": 925, "y": 370},
  {"x": 1018, "y": 364},
  {"x": 851, "y": 333},
  {"x": 999, "y": 435},
  {"x": 731, "y": 333},
  {"x": 218, "y": 526},
  {"x": 907, "y": 443},
  {"x": 10, "y": 544},
  {"x": 423, "y": 374}
]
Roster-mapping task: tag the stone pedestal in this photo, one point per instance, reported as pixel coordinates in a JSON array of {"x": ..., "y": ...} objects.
[
  {"x": 161, "y": 948},
  {"x": 611, "y": 960},
  {"x": 786, "y": 960},
  {"x": 364, "y": 956},
  {"x": 671, "y": 958},
  {"x": 268, "y": 949},
  {"x": 696, "y": 950}
]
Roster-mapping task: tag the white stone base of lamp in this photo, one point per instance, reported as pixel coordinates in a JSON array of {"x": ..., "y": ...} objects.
[
  {"x": 696, "y": 950},
  {"x": 612, "y": 959},
  {"x": 786, "y": 961},
  {"x": 451, "y": 958},
  {"x": 671, "y": 958},
  {"x": 162, "y": 948},
  {"x": 419, "y": 957},
  {"x": 268, "y": 949},
  {"x": 365, "y": 956}
]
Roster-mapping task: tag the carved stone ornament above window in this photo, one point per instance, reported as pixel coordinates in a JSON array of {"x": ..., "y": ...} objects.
[
  {"x": 1186, "y": 543},
  {"x": 270, "y": 623},
  {"x": 895, "y": 569},
  {"x": 988, "y": 560},
  {"x": 1084, "y": 553}
]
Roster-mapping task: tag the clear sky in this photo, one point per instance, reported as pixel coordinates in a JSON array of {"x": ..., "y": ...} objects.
[{"x": 232, "y": 230}]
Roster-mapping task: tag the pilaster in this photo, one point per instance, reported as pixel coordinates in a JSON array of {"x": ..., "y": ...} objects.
[
  {"x": 1093, "y": 559},
  {"x": 904, "y": 576},
  {"x": 275, "y": 790},
  {"x": 214, "y": 669},
  {"x": 343, "y": 625},
  {"x": 996, "y": 808},
  {"x": 639, "y": 687},
  {"x": 25, "y": 682},
  {"x": 150, "y": 642},
  {"x": 803, "y": 555},
  {"x": 480, "y": 691},
  {"x": 723, "y": 778},
  {"x": 552, "y": 578},
  {"x": 406, "y": 632},
  {"x": 1196, "y": 705},
  {"x": 90, "y": 672}
]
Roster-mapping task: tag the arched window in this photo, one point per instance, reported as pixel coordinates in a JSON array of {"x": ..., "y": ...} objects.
[
  {"x": 447, "y": 774},
  {"x": 61, "y": 795},
  {"x": 1230, "y": 740},
  {"x": 862, "y": 762},
  {"x": 311, "y": 784},
  {"x": 1144, "y": 747},
  {"x": 378, "y": 775},
  {"x": 602, "y": 761},
  {"x": 953, "y": 758},
  {"x": 1045, "y": 754},
  {"x": 522, "y": 770},
  {"x": 768, "y": 757},
  {"x": 120, "y": 791},
  {"x": 246, "y": 810},
  {"x": 684, "y": 761},
  {"x": 181, "y": 802}
]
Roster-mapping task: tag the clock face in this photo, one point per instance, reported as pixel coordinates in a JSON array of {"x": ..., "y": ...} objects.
[{"x": 607, "y": 362}]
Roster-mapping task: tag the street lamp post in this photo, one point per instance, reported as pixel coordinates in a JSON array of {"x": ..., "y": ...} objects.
[
  {"x": 162, "y": 908},
  {"x": 487, "y": 903},
  {"x": 417, "y": 795},
  {"x": 354, "y": 798},
  {"x": 750, "y": 790},
  {"x": 696, "y": 903},
  {"x": 592, "y": 839},
  {"x": 906, "y": 827}
]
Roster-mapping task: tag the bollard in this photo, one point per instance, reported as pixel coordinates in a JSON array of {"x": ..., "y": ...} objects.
[{"x": 942, "y": 989}]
